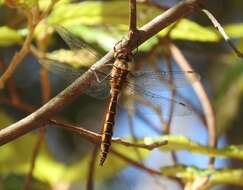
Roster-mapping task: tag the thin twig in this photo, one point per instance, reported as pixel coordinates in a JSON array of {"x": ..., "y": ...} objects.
[
  {"x": 222, "y": 32},
  {"x": 19, "y": 56},
  {"x": 41, "y": 116},
  {"x": 132, "y": 131},
  {"x": 135, "y": 163},
  {"x": 34, "y": 18},
  {"x": 90, "y": 180},
  {"x": 46, "y": 95},
  {"x": 36, "y": 151},
  {"x": 201, "y": 94}
]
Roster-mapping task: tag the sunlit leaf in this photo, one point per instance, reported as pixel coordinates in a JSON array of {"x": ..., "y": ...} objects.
[
  {"x": 9, "y": 36},
  {"x": 176, "y": 143},
  {"x": 189, "y": 30},
  {"x": 76, "y": 59},
  {"x": 104, "y": 37},
  {"x": 115, "y": 13},
  {"x": 234, "y": 30},
  {"x": 190, "y": 174},
  {"x": 105, "y": 23}
]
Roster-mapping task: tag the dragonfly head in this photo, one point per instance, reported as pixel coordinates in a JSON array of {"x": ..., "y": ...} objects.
[{"x": 123, "y": 55}]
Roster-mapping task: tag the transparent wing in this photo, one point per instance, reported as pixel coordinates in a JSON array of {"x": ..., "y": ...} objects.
[
  {"x": 161, "y": 80},
  {"x": 154, "y": 89},
  {"x": 99, "y": 90},
  {"x": 74, "y": 42},
  {"x": 145, "y": 100}
]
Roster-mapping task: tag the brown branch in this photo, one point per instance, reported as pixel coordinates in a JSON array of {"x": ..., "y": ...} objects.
[
  {"x": 133, "y": 16},
  {"x": 41, "y": 116},
  {"x": 96, "y": 138}
]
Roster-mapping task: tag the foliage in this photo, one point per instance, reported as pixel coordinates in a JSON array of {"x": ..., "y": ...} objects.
[
  {"x": 102, "y": 24},
  {"x": 176, "y": 143},
  {"x": 9, "y": 36},
  {"x": 216, "y": 177}
]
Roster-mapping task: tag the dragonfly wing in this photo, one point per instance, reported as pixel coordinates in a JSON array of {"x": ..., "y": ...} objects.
[
  {"x": 73, "y": 41},
  {"x": 161, "y": 79},
  {"x": 66, "y": 72},
  {"x": 146, "y": 100},
  {"x": 99, "y": 90}
]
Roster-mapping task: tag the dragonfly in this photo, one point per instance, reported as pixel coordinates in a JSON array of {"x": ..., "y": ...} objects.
[{"x": 149, "y": 85}]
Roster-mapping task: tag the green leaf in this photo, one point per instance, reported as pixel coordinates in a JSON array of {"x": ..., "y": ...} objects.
[
  {"x": 114, "y": 13},
  {"x": 216, "y": 177},
  {"x": 176, "y": 143},
  {"x": 9, "y": 36},
  {"x": 101, "y": 36},
  {"x": 231, "y": 86},
  {"x": 185, "y": 29},
  {"x": 5, "y": 120},
  {"x": 234, "y": 30},
  {"x": 77, "y": 59},
  {"x": 12, "y": 182},
  {"x": 104, "y": 23}
]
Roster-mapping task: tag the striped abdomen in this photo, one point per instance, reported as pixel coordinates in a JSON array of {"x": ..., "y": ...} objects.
[{"x": 119, "y": 73}]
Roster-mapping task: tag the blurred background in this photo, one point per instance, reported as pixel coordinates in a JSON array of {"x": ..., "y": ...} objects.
[{"x": 64, "y": 159}]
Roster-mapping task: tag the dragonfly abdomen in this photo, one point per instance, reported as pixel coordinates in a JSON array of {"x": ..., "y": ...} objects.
[
  {"x": 119, "y": 74},
  {"x": 108, "y": 129}
]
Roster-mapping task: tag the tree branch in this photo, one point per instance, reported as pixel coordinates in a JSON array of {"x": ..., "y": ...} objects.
[
  {"x": 96, "y": 138},
  {"x": 41, "y": 116}
]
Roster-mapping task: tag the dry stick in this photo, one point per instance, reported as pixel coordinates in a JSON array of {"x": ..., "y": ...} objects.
[
  {"x": 133, "y": 16},
  {"x": 90, "y": 180},
  {"x": 202, "y": 95},
  {"x": 11, "y": 87},
  {"x": 171, "y": 109},
  {"x": 222, "y": 32},
  {"x": 18, "y": 57},
  {"x": 41, "y": 116},
  {"x": 34, "y": 156},
  {"x": 96, "y": 138}
]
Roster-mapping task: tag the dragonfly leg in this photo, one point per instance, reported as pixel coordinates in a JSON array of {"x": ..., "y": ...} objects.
[{"x": 93, "y": 69}]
